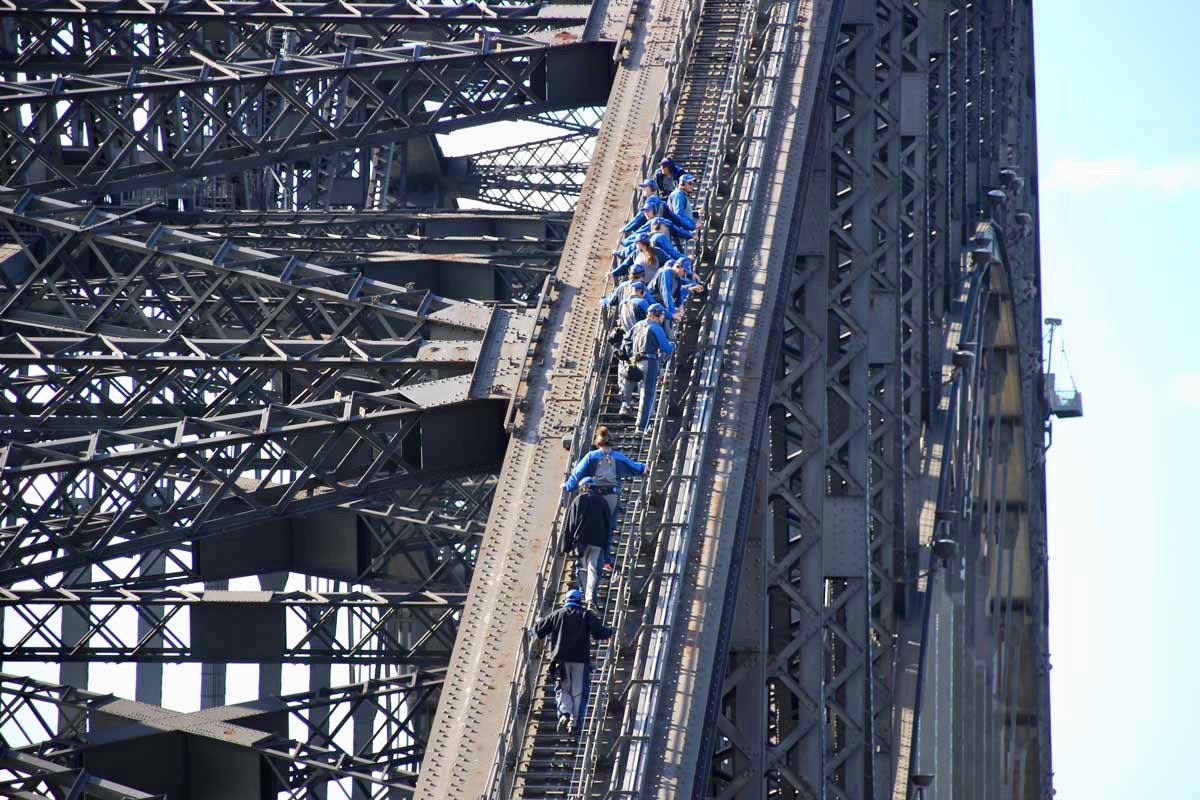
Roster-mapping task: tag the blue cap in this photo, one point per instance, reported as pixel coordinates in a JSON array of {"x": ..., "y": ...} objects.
[
  {"x": 687, "y": 178},
  {"x": 574, "y": 597},
  {"x": 638, "y": 286},
  {"x": 638, "y": 269},
  {"x": 649, "y": 182},
  {"x": 643, "y": 237},
  {"x": 653, "y": 201},
  {"x": 656, "y": 308},
  {"x": 684, "y": 262},
  {"x": 657, "y": 221},
  {"x": 667, "y": 161}
]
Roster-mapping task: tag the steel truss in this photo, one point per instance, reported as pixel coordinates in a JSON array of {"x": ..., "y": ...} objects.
[
  {"x": 334, "y": 431},
  {"x": 81, "y": 136},
  {"x": 367, "y": 734},
  {"x": 518, "y": 249},
  {"x": 186, "y": 408},
  {"x": 99, "y": 35},
  {"x": 179, "y": 625},
  {"x": 79, "y": 384},
  {"x": 88, "y": 273},
  {"x": 527, "y": 238},
  {"x": 929, "y": 110},
  {"x": 540, "y": 175}
]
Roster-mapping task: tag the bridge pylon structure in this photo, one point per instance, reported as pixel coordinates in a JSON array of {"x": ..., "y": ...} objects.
[{"x": 285, "y": 418}]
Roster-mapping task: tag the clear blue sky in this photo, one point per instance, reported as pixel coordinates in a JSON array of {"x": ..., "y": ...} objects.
[{"x": 1120, "y": 199}]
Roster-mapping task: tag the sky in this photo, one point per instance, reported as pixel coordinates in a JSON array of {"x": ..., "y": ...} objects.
[{"x": 1119, "y": 157}]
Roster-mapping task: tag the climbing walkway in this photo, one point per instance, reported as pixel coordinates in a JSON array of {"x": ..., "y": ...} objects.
[{"x": 535, "y": 760}]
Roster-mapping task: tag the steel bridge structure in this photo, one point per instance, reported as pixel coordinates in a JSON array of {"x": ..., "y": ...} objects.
[{"x": 287, "y": 395}]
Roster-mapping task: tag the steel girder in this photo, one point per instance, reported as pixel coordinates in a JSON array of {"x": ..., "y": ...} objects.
[
  {"x": 38, "y": 38},
  {"x": 93, "y": 136},
  {"x": 79, "y": 384},
  {"x": 214, "y": 463},
  {"x": 191, "y": 625},
  {"x": 929, "y": 103},
  {"x": 26, "y": 776},
  {"x": 370, "y": 735},
  {"x": 428, "y": 247},
  {"x": 83, "y": 500},
  {"x": 86, "y": 274},
  {"x": 524, "y": 238},
  {"x": 540, "y": 175},
  {"x": 575, "y": 120},
  {"x": 421, "y": 538}
]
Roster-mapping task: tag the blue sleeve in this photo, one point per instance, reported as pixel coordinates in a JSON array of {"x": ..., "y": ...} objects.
[
  {"x": 583, "y": 469},
  {"x": 622, "y": 269},
  {"x": 676, "y": 252},
  {"x": 666, "y": 290},
  {"x": 675, "y": 219},
  {"x": 677, "y": 201},
  {"x": 612, "y": 297},
  {"x": 637, "y": 467},
  {"x": 663, "y": 342},
  {"x": 679, "y": 204},
  {"x": 680, "y": 231},
  {"x": 633, "y": 224}
]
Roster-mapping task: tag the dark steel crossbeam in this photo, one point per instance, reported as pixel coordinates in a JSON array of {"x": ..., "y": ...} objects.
[
  {"x": 35, "y": 778},
  {"x": 89, "y": 275},
  {"x": 113, "y": 493},
  {"x": 172, "y": 631},
  {"x": 309, "y": 753},
  {"x": 81, "y": 384},
  {"x": 546, "y": 174},
  {"x": 91, "y": 136},
  {"x": 422, "y": 537},
  {"x": 100, "y": 35}
]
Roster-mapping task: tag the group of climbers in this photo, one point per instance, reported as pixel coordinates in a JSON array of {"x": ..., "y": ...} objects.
[{"x": 655, "y": 280}]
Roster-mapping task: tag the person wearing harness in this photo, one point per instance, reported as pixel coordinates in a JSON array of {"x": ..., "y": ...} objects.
[
  {"x": 647, "y": 344},
  {"x": 571, "y": 630},
  {"x": 586, "y": 529},
  {"x": 606, "y": 466},
  {"x": 662, "y": 237},
  {"x": 633, "y": 308},
  {"x": 623, "y": 291},
  {"x": 656, "y": 217}
]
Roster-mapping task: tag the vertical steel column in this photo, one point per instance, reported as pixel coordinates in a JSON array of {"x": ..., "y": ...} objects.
[{"x": 793, "y": 543}]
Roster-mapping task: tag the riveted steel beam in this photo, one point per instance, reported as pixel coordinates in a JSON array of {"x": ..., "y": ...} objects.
[
  {"x": 100, "y": 35},
  {"x": 186, "y": 625},
  {"x": 82, "y": 136}
]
